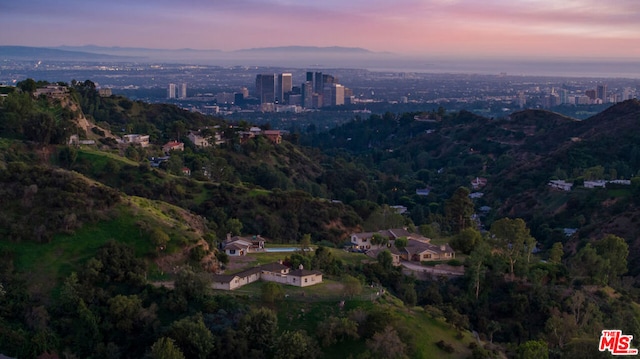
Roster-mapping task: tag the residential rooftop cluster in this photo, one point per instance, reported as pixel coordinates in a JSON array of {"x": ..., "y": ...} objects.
[{"x": 567, "y": 186}]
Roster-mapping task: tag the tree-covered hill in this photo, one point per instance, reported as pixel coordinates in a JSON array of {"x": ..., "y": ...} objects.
[
  {"x": 86, "y": 227},
  {"x": 518, "y": 155},
  {"x": 39, "y": 202}
]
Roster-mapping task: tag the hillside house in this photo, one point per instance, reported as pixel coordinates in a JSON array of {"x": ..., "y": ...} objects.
[
  {"x": 595, "y": 184},
  {"x": 173, "y": 146},
  {"x": 362, "y": 241},
  {"x": 399, "y": 209},
  {"x": 74, "y": 140},
  {"x": 141, "y": 140},
  {"x": 245, "y": 136},
  {"x": 303, "y": 278},
  {"x": 478, "y": 183},
  {"x": 51, "y": 91},
  {"x": 198, "y": 140},
  {"x": 235, "y": 281},
  {"x": 272, "y": 272},
  {"x": 240, "y": 246},
  {"x": 217, "y": 139},
  {"x": 274, "y": 136},
  {"x": 423, "y": 191},
  {"x": 105, "y": 92},
  {"x": 560, "y": 184},
  {"x": 621, "y": 182},
  {"x": 418, "y": 249},
  {"x": 156, "y": 161}
]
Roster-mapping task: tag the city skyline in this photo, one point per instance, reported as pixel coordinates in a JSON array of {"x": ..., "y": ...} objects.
[{"x": 533, "y": 29}]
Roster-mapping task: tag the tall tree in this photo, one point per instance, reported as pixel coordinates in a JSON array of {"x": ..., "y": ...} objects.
[
  {"x": 29, "y": 85},
  {"x": 271, "y": 292},
  {"x": 466, "y": 240},
  {"x": 165, "y": 348},
  {"x": 513, "y": 240},
  {"x": 261, "y": 326},
  {"x": 614, "y": 250},
  {"x": 459, "y": 209},
  {"x": 477, "y": 267},
  {"x": 588, "y": 263},
  {"x": 124, "y": 311},
  {"x": 192, "y": 337},
  {"x": 533, "y": 349},
  {"x": 40, "y": 127},
  {"x": 387, "y": 345},
  {"x": 378, "y": 239},
  {"x": 305, "y": 242},
  {"x": 556, "y": 253},
  {"x": 385, "y": 259},
  {"x": 296, "y": 345},
  {"x": 352, "y": 286},
  {"x": 401, "y": 242}
]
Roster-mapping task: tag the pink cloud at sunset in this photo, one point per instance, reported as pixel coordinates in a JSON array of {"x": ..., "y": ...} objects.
[{"x": 461, "y": 28}]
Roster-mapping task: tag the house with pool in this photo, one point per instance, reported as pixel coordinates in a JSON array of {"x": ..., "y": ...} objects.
[{"x": 240, "y": 246}]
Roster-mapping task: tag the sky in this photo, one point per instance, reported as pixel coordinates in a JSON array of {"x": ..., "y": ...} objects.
[{"x": 594, "y": 29}]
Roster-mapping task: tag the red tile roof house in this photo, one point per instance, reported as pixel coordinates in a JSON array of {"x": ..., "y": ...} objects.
[
  {"x": 173, "y": 146},
  {"x": 273, "y": 135}
]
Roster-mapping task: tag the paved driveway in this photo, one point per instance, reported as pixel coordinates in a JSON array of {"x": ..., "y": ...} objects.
[{"x": 420, "y": 269}]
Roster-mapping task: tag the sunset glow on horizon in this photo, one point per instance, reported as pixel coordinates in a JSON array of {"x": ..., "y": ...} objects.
[{"x": 454, "y": 28}]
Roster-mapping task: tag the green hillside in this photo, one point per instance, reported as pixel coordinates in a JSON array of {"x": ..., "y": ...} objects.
[{"x": 107, "y": 253}]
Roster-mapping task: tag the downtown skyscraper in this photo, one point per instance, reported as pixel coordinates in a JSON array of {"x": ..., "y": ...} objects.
[
  {"x": 266, "y": 88},
  {"x": 283, "y": 87},
  {"x": 171, "y": 91}
]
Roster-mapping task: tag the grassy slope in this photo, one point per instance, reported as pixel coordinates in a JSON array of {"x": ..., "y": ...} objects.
[
  {"x": 424, "y": 330},
  {"x": 99, "y": 157},
  {"x": 46, "y": 265},
  {"x": 304, "y": 308}
]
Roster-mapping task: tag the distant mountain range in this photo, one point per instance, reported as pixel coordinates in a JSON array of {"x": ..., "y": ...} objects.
[
  {"x": 286, "y": 56},
  {"x": 101, "y": 52},
  {"x": 310, "y": 49},
  {"x": 303, "y": 49},
  {"x": 42, "y": 53},
  {"x": 328, "y": 57}
]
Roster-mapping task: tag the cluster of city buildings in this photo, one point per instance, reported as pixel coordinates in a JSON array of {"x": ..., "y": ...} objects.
[
  {"x": 277, "y": 93},
  {"x": 594, "y": 96},
  {"x": 318, "y": 90},
  {"x": 181, "y": 91}
]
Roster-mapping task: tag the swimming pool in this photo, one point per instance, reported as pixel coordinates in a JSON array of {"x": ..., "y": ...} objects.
[{"x": 282, "y": 249}]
